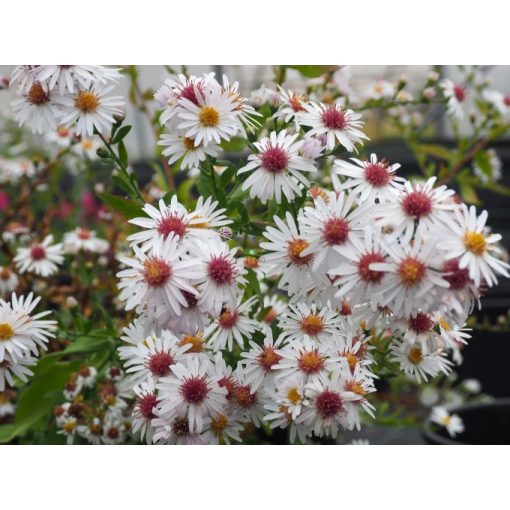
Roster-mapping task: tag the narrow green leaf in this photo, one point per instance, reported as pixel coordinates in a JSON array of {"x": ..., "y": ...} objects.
[{"x": 124, "y": 206}]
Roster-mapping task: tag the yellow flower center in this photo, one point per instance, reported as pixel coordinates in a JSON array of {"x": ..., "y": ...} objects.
[
  {"x": 86, "y": 102},
  {"x": 294, "y": 249},
  {"x": 69, "y": 426},
  {"x": 312, "y": 324},
  {"x": 475, "y": 243},
  {"x": 209, "y": 116},
  {"x": 196, "y": 342},
  {"x": 411, "y": 271},
  {"x": 6, "y": 332},
  {"x": 415, "y": 356},
  {"x": 294, "y": 396},
  {"x": 445, "y": 420},
  {"x": 86, "y": 144},
  {"x": 219, "y": 424},
  {"x": 444, "y": 325}
]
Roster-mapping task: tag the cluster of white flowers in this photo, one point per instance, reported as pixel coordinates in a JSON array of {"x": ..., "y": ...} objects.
[
  {"x": 378, "y": 253},
  {"x": 57, "y": 95},
  {"x": 200, "y": 113},
  {"x": 21, "y": 337}
]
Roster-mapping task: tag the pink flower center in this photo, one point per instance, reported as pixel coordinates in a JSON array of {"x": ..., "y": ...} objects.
[
  {"x": 244, "y": 397},
  {"x": 190, "y": 298},
  {"x": 460, "y": 93},
  {"x": 180, "y": 426},
  {"x": 84, "y": 234},
  {"x": 421, "y": 323},
  {"x": 334, "y": 119},
  {"x": 146, "y": 404},
  {"x": 230, "y": 385},
  {"x": 160, "y": 363},
  {"x": 274, "y": 159},
  {"x": 194, "y": 390},
  {"x": 417, "y": 204},
  {"x": 364, "y": 271},
  {"x": 221, "y": 271},
  {"x": 37, "y": 252},
  {"x": 377, "y": 175},
  {"x": 335, "y": 231},
  {"x": 456, "y": 277},
  {"x": 156, "y": 272},
  {"x": 171, "y": 223},
  {"x": 328, "y": 404},
  {"x": 188, "y": 93},
  {"x": 506, "y": 100},
  {"x": 228, "y": 319}
]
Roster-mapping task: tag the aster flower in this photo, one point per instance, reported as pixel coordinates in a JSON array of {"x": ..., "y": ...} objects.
[
  {"x": 303, "y": 321},
  {"x": 157, "y": 279},
  {"x": 278, "y": 168},
  {"x": 371, "y": 180},
  {"x": 191, "y": 391},
  {"x": 248, "y": 400},
  {"x": 8, "y": 280},
  {"x": 470, "y": 241},
  {"x": 212, "y": 118},
  {"x": 175, "y": 431},
  {"x": 143, "y": 411},
  {"x": 418, "y": 203},
  {"x": 452, "y": 422},
  {"x": 40, "y": 258},
  {"x": 412, "y": 279},
  {"x": 260, "y": 360},
  {"x": 15, "y": 367},
  {"x": 232, "y": 324},
  {"x": 91, "y": 108},
  {"x": 329, "y": 405},
  {"x": 19, "y": 331},
  {"x": 354, "y": 278},
  {"x": 280, "y": 416},
  {"x": 221, "y": 274},
  {"x": 178, "y": 146},
  {"x": 149, "y": 357},
  {"x": 286, "y": 246},
  {"x": 456, "y": 96},
  {"x": 83, "y": 239},
  {"x": 38, "y": 108},
  {"x": 414, "y": 362},
  {"x": 339, "y": 125},
  {"x": 290, "y": 395},
  {"x": 291, "y": 103},
  {"x": 331, "y": 227}
]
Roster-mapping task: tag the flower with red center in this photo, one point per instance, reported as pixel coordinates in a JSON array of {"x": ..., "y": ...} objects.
[
  {"x": 311, "y": 362},
  {"x": 411, "y": 271},
  {"x": 244, "y": 396},
  {"x": 268, "y": 358},
  {"x": 172, "y": 223},
  {"x": 364, "y": 271},
  {"x": 335, "y": 231},
  {"x": 377, "y": 174},
  {"x": 295, "y": 248},
  {"x": 194, "y": 390},
  {"x": 328, "y": 404},
  {"x": 421, "y": 323},
  {"x": 460, "y": 93},
  {"x": 228, "y": 319},
  {"x": 274, "y": 159},
  {"x": 41, "y": 258},
  {"x": 37, "y": 252},
  {"x": 221, "y": 270},
  {"x": 417, "y": 204},
  {"x": 156, "y": 271},
  {"x": 277, "y": 168},
  {"x": 159, "y": 363},
  {"x": 457, "y": 278},
  {"x": 334, "y": 118}
]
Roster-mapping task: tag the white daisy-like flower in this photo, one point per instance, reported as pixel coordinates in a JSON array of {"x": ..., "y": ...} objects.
[
  {"x": 277, "y": 168},
  {"x": 25, "y": 76},
  {"x": 38, "y": 108},
  {"x": 19, "y": 331},
  {"x": 232, "y": 324},
  {"x": 369, "y": 180},
  {"x": 17, "y": 367},
  {"x": 68, "y": 429},
  {"x": 84, "y": 239},
  {"x": 175, "y": 431},
  {"x": 331, "y": 227},
  {"x": 221, "y": 274},
  {"x": 307, "y": 358},
  {"x": 213, "y": 119},
  {"x": 286, "y": 246},
  {"x": 420, "y": 328},
  {"x": 143, "y": 411},
  {"x": 290, "y": 394},
  {"x": 291, "y": 103},
  {"x": 412, "y": 279},
  {"x": 87, "y": 147},
  {"x": 8, "y": 280},
  {"x": 87, "y": 376},
  {"x": 249, "y": 401},
  {"x": 157, "y": 279},
  {"x": 329, "y": 405},
  {"x": 62, "y": 137},
  {"x": 456, "y": 96},
  {"x": 338, "y": 125},
  {"x": 414, "y": 362},
  {"x": 224, "y": 427},
  {"x": 452, "y": 334},
  {"x": 91, "y": 108},
  {"x": 259, "y": 361},
  {"x": 354, "y": 278},
  {"x": 470, "y": 241},
  {"x": 173, "y": 218},
  {"x": 191, "y": 391},
  {"x": 452, "y": 422},
  {"x": 40, "y": 258},
  {"x": 303, "y": 321},
  {"x": 280, "y": 416},
  {"x": 354, "y": 350},
  {"x": 92, "y": 432},
  {"x": 381, "y": 89},
  {"x": 417, "y": 203},
  {"x": 177, "y": 147},
  {"x": 149, "y": 357},
  {"x": 68, "y": 77}
]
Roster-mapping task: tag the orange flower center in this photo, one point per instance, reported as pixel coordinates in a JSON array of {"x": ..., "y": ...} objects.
[
  {"x": 312, "y": 324},
  {"x": 209, "y": 116},
  {"x": 475, "y": 243},
  {"x": 294, "y": 249},
  {"x": 6, "y": 332},
  {"x": 86, "y": 102}
]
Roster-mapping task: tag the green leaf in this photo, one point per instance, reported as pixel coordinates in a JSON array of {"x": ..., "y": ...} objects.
[
  {"x": 123, "y": 155},
  {"x": 227, "y": 176},
  {"x": 437, "y": 151},
  {"x": 124, "y": 206},
  {"x": 253, "y": 281},
  {"x": 235, "y": 144},
  {"x": 313, "y": 71},
  {"x": 121, "y": 134},
  {"x": 482, "y": 159}
]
